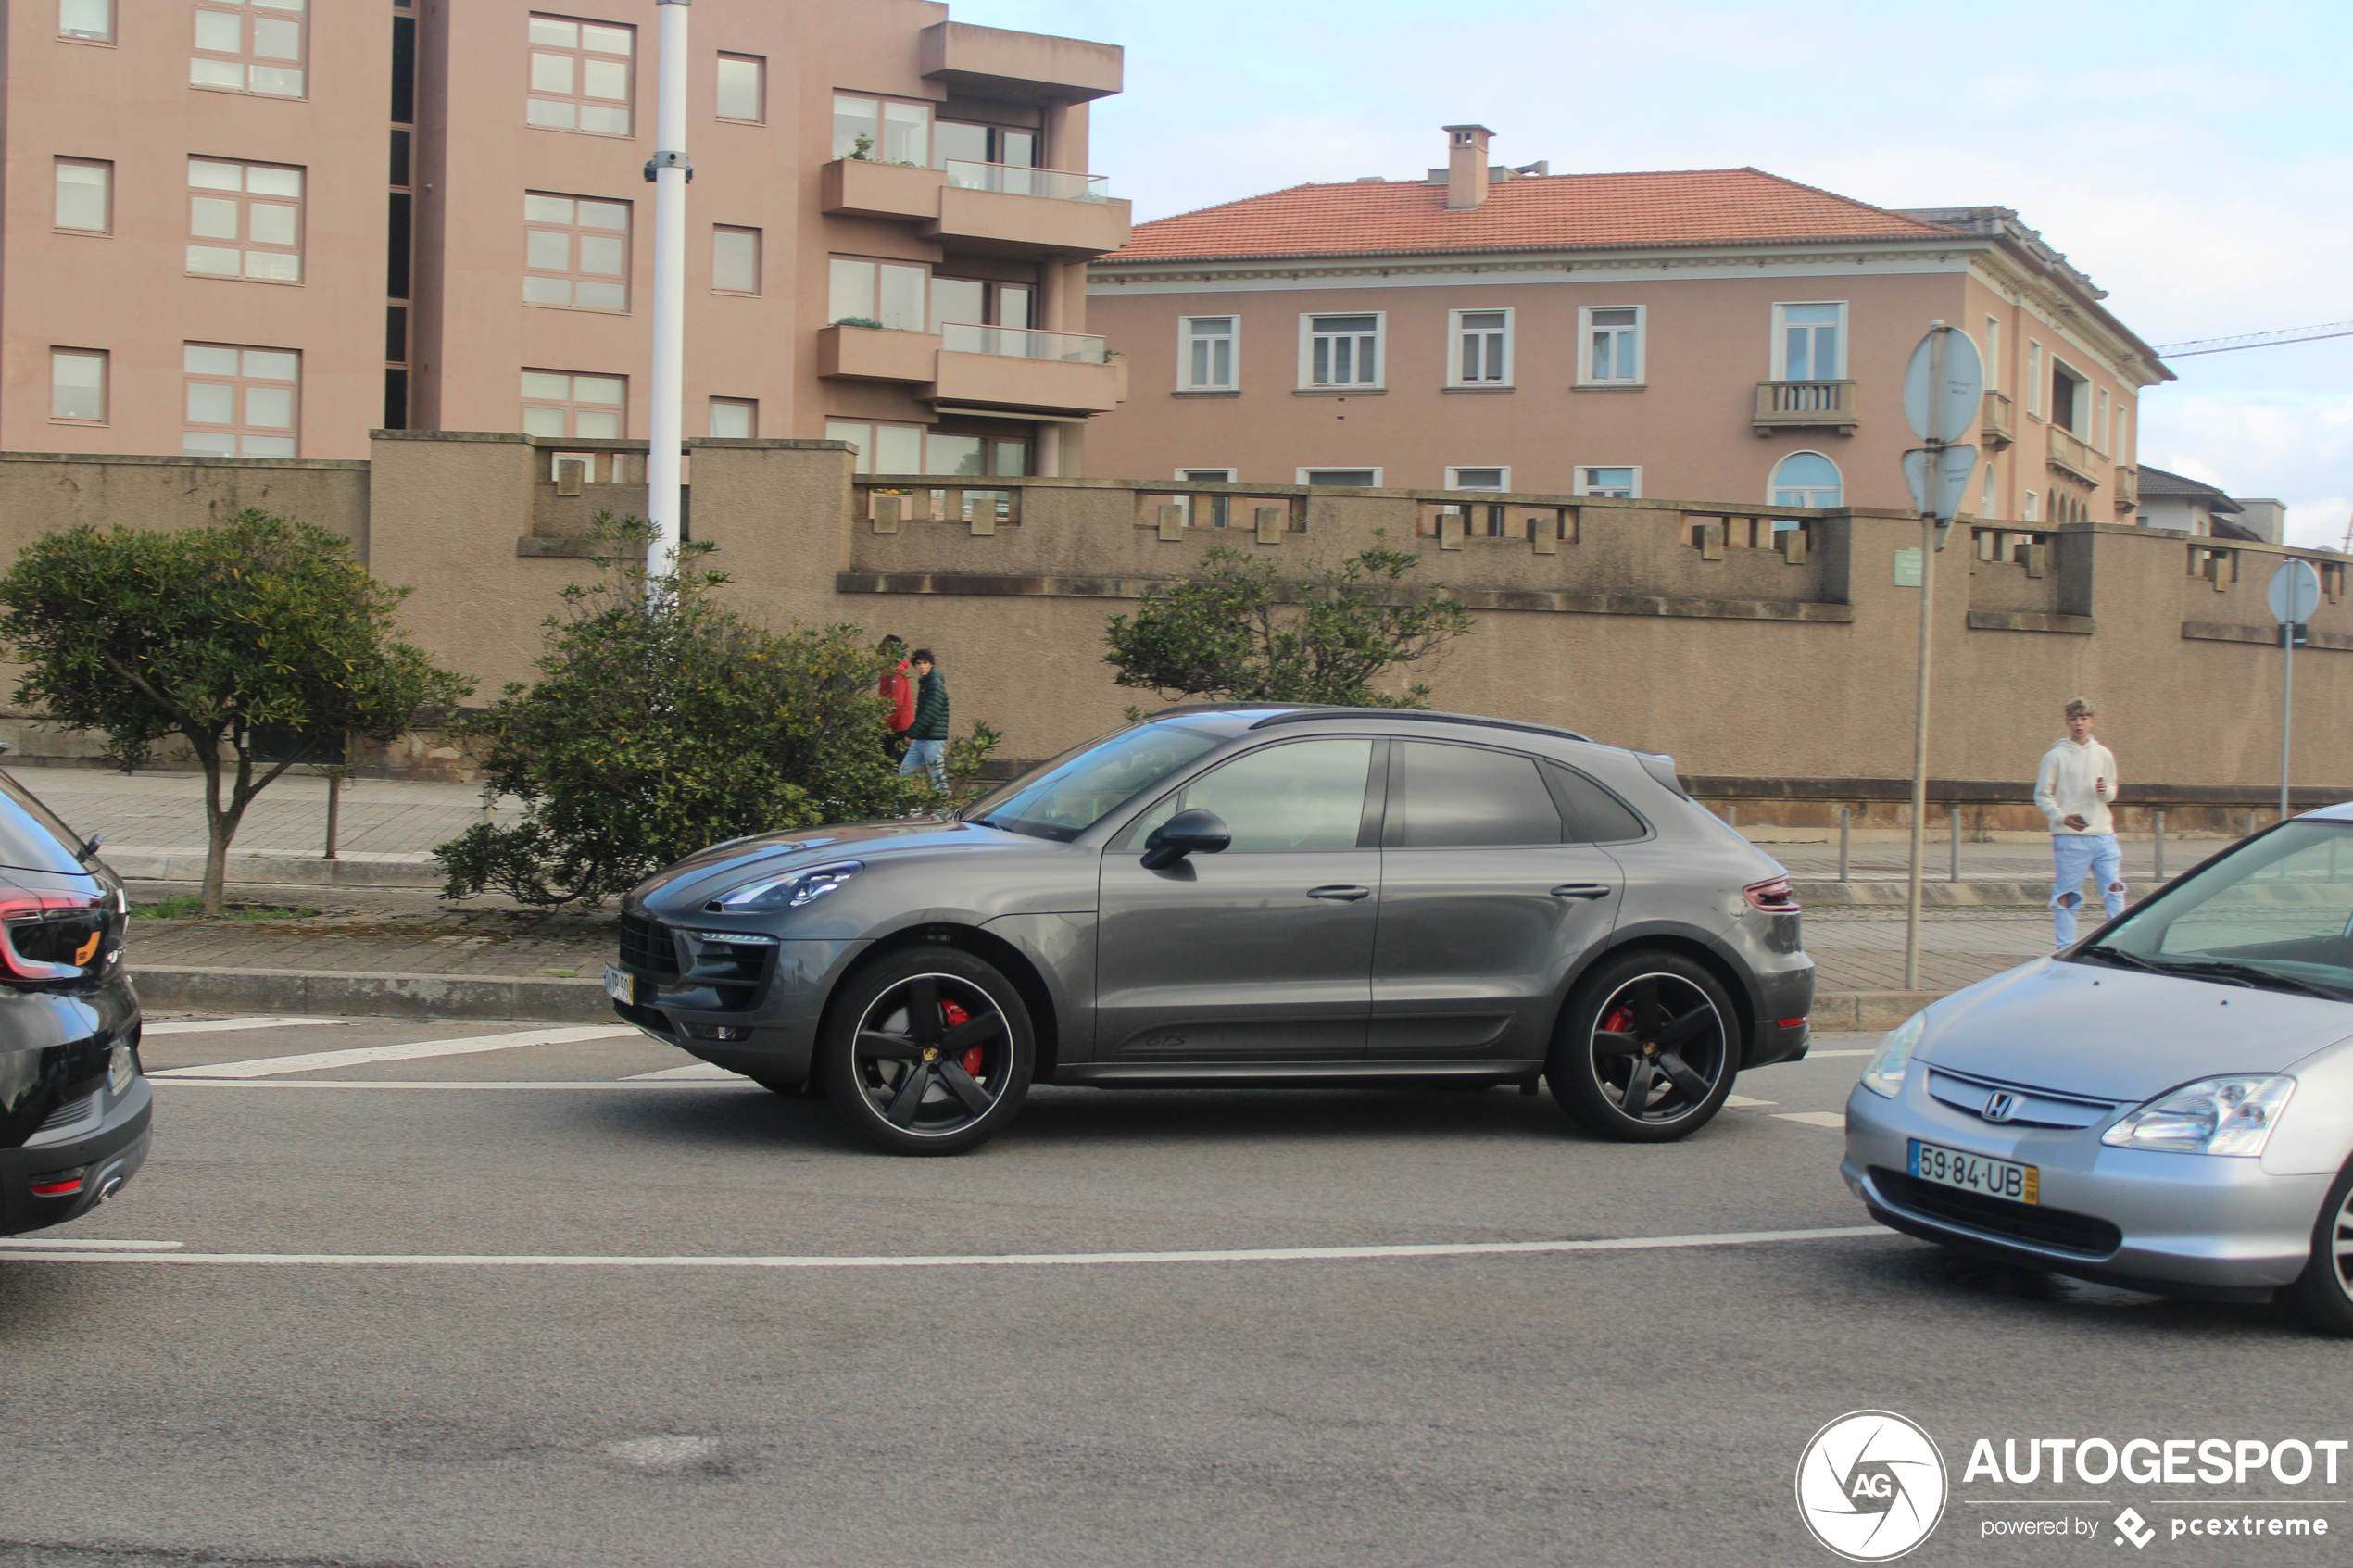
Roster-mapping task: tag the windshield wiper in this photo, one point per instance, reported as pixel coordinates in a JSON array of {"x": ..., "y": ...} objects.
[
  {"x": 2119, "y": 958},
  {"x": 2253, "y": 975}
]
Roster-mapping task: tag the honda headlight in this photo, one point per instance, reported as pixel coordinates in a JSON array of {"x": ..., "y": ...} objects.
[
  {"x": 787, "y": 890},
  {"x": 2211, "y": 1116},
  {"x": 1894, "y": 1058}
]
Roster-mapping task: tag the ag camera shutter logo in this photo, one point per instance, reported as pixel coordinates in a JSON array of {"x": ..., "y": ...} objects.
[{"x": 1871, "y": 1486}]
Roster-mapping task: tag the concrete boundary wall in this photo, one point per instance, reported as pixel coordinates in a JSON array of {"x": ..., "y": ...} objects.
[{"x": 1770, "y": 653}]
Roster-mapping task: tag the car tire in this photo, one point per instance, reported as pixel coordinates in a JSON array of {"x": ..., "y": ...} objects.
[
  {"x": 926, "y": 1051},
  {"x": 2322, "y": 1293},
  {"x": 1653, "y": 1025}
]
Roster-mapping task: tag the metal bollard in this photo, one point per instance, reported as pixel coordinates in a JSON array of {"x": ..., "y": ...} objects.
[
  {"x": 2158, "y": 817},
  {"x": 1845, "y": 822},
  {"x": 1953, "y": 820}
]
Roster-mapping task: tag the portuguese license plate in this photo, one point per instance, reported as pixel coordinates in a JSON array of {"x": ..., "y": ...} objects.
[
  {"x": 622, "y": 986},
  {"x": 1974, "y": 1173}
]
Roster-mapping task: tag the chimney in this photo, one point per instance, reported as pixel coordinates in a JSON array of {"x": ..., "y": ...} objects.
[{"x": 1466, "y": 166}]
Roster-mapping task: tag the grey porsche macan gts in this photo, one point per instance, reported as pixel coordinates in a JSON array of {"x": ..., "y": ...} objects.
[{"x": 1243, "y": 895}]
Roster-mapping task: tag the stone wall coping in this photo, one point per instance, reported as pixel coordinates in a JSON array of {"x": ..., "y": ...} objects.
[{"x": 144, "y": 459}]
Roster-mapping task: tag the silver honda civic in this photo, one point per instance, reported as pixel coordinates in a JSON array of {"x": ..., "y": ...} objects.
[
  {"x": 2165, "y": 1105},
  {"x": 1256, "y": 896}
]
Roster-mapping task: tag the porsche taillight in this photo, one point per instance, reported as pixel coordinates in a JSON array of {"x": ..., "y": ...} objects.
[{"x": 1775, "y": 898}]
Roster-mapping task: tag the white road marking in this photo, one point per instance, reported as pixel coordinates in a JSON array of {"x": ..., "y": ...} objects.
[
  {"x": 1835, "y": 1119},
  {"x": 361, "y": 1054},
  {"x": 1741, "y": 1102},
  {"x": 27, "y": 1241},
  {"x": 224, "y": 1025},
  {"x": 972, "y": 1260},
  {"x": 438, "y": 1083},
  {"x": 1810, "y": 1056},
  {"x": 694, "y": 1071}
]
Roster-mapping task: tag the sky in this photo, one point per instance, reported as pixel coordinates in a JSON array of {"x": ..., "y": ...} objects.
[{"x": 2195, "y": 160}]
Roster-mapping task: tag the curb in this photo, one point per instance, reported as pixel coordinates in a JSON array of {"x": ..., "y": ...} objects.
[
  {"x": 309, "y": 991},
  {"x": 1934, "y": 895},
  {"x": 1850, "y": 1012},
  {"x": 306, "y": 872}
]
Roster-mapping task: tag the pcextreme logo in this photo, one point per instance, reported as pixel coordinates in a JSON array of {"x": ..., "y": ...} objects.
[{"x": 1870, "y": 1485}]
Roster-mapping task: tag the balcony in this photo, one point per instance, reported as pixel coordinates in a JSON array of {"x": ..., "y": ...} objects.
[
  {"x": 2072, "y": 456},
  {"x": 1021, "y": 68},
  {"x": 1804, "y": 405},
  {"x": 1020, "y": 370},
  {"x": 877, "y": 354},
  {"x": 1997, "y": 431},
  {"x": 993, "y": 208},
  {"x": 2128, "y": 489}
]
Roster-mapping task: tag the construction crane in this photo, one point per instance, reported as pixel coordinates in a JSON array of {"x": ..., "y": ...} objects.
[{"x": 2255, "y": 340}]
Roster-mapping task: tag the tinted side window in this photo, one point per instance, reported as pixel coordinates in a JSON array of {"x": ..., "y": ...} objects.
[
  {"x": 1596, "y": 816},
  {"x": 1461, "y": 796},
  {"x": 1303, "y": 795},
  {"x": 26, "y": 838}
]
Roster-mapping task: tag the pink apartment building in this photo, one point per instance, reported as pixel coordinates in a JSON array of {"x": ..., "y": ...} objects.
[
  {"x": 262, "y": 228},
  {"x": 1718, "y": 333}
]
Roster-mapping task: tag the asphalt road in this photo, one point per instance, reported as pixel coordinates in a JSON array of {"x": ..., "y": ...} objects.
[{"x": 590, "y": 1332}]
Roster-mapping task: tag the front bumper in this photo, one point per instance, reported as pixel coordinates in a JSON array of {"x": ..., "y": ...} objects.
[
  {"x": 773, "y": 1038},
  {"x": 2180, "y": 1223},
  {"x": 97, "y": 1160}
]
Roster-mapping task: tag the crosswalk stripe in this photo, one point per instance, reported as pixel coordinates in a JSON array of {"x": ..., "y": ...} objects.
[
  {"x": 1835, "y": 1119},
  {"x": 313, "y": 1061},
  {"x": 695, "y": 1071},
  {"x": 226, "y": 1025}
]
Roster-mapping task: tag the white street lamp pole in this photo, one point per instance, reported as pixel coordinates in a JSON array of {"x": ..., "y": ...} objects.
[{"x": 669, "y": 170}]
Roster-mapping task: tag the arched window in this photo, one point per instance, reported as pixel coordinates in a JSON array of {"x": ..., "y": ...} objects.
[{"x": 1805, "y": 479}]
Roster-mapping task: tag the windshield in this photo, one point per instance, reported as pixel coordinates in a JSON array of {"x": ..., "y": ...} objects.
[
  {"x": 2279, "y": 909},
  {"x": 1079, "y": 788},
  {"x": 33, "y": 837}
]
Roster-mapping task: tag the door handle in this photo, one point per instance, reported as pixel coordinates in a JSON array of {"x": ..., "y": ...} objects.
[
  {"x": 1581, "y": 890},
  {"x": 1341, "y": 893}
]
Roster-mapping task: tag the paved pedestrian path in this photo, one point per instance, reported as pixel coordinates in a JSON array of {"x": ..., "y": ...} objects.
[{"x": 162, "y": 813}]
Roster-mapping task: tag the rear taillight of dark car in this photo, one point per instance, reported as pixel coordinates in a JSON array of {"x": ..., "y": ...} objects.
[{"x": 48, "y": 937}]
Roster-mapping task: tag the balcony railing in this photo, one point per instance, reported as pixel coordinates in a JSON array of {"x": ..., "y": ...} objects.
[
  {"x": 1023, "y": 342},
  {"x": 1999, "y": 431},
  {"x": 1784, "y": 405},
  {"x": 2072, "y": 455},
  {"x": 1019, "y": 180}
]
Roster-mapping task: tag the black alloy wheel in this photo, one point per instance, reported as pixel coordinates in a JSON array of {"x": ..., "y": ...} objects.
[
  {"x": 929, "y": 1052},
  {"x": 2322, "y": 1293},
  {"x": 1647, "y": 1049}
]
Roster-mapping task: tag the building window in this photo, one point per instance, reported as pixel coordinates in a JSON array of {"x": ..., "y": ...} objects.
[
  {"x": 85, "y": 196},
  {"x": 2122, "y": 451},
  {"x": 78, "y": 385},
  {"x": 876, "y": 293},
  {"x": 1610, "y": 346},
  {"x": 2071, "y": 406},
  {"x": 1479, "y": 479},
  {"x": 2101, "y": 423},
  {"x": 886, "y": 448},
  {"x": 575, "y": 253},
  {"x": 1992, "y": 354},
  {"x": 581, "y": 75},
  {"x": 735, "y": 419},
  {"x": 248, "y": 46},
  {"x": 1805, "y": 479},
  {"x": 1206, "y": 353},
  {"x": 1210, "y": 476},
  {"x": 558, "y": 403},
  {"x": 1362, "y": 479},
  {"x": 979, "y": 303},
  {"x": 245, "y": 221},
  {"x": 735, "y": 260},
  {"x": 1614, "y": 484},
  {"x": 1339, "y": 351},
  {"x": 1987, "y": 506},
  {"x": 743, "y": 88},
  {"x": 241, "y": 402},
  {"x": 1483, "y": 347},
  {"x": 881, "y": 131},
  {"x": 1809, "y": 342},
  {"x": 2033, "y": 377},
  {"x": 86, "y": 22}
]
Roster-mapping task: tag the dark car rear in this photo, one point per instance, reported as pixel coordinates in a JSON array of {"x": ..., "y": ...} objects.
[{"x": 73, "y": 1107}]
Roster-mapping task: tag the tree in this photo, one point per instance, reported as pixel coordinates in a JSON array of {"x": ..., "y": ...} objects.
[
  {"x": 662, "y": 722},
  {"x": 228, "y": 635},
  {"x": 1244, "y": 632}
]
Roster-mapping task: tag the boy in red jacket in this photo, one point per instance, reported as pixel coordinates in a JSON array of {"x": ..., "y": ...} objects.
[{"x": 899, "y": 691}]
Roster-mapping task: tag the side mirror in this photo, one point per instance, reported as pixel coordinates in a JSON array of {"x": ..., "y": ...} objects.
[{"x": 1188, "y": 833}]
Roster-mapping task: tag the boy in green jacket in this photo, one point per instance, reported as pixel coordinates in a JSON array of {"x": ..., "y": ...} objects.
[{"x": 927, "y": 736}]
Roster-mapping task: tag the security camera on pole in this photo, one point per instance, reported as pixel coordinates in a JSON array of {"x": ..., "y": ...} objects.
[
  {"x": 1943, "y": 388},
  {"x": 668, "y": 172},
  {"x": 2295, "y": 594}
]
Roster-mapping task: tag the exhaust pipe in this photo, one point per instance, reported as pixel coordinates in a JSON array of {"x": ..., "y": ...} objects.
[{"x": 109, "y": 1187}]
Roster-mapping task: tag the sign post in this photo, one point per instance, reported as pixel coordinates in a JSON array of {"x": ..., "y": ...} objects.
[
  {"x": 2294, "y": 593},
  {"x": 1943, "y": 389}
]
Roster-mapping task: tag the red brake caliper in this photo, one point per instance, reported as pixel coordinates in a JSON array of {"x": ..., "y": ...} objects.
[
  {"x": 954, "y": 1015},
  {"x": 1620, "y": 1021}
]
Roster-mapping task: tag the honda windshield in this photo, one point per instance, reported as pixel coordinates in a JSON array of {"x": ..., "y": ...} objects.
[{"x": 2275, "y": 913}]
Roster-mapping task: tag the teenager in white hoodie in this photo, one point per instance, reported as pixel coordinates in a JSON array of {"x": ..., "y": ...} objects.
[{"x": 2073, "y": 786}]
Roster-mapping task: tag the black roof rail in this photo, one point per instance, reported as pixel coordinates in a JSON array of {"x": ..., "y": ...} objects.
[{"x": 1304, "y": 715}]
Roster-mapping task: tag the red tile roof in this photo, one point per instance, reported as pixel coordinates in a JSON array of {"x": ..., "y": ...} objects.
[{"x": 1707, "y": 206}]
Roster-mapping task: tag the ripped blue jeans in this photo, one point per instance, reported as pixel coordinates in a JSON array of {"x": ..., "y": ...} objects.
[{"x": 2075, "y": 855}]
